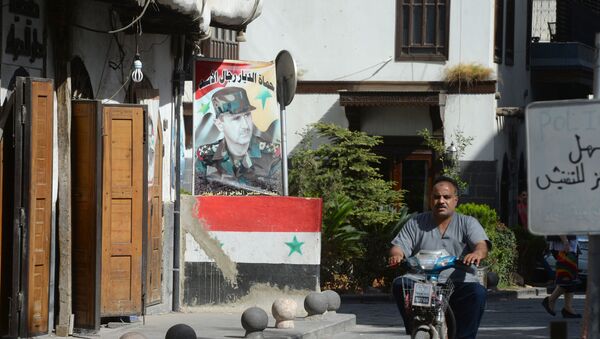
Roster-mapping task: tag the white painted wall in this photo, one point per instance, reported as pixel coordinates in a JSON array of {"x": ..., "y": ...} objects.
[
  {"x": 474, "y": 115},
  {"x": 348, "y": 40},
  {"x": 336, "y": 39},
  {"x": 309, "y": 108}
]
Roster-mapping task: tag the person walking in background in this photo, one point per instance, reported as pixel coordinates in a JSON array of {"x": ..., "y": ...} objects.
[{"x": 564, "y": 250}]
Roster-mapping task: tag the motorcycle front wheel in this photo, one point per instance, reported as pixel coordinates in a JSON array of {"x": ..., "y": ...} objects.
[{"x": 446, "y": 330}]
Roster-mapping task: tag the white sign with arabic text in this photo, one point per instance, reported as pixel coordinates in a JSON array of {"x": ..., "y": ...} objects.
[{"x": 563, "y": 161}]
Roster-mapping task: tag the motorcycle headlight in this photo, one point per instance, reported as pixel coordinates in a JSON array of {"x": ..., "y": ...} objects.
[
  {"x": 444, "y": 261},
  {"x": 429, "y": 259}
]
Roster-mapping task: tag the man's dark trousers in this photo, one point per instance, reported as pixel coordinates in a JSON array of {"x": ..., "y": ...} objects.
[{"x": 467, "y": 302}]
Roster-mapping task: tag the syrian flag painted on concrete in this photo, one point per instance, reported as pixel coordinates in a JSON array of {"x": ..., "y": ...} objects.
[{"x": 271, "y": 239}]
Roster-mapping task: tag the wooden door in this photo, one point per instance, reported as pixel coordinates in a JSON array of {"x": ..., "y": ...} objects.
[
  {"x": 150, "y": 98},
  {"x": 10, "y": 284},
  {"x": 39, "y": 204},
  {"x": 85, "y": 198},
  {"x": 122, "y": 209}
]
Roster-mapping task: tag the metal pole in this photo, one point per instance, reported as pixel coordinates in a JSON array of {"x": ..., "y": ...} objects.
[
  {"x": 284, "y": 163},
  {"x": 593, "y": 295},
  {"x": 179, "y": 85}
]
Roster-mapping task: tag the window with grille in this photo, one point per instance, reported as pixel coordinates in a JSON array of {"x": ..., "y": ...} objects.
[
  {"x": 498, "y": 31},
  {"x": 422, "y": 29},
  {"x": 509, "y": 48},
  {"x": 222, "y": 44}
]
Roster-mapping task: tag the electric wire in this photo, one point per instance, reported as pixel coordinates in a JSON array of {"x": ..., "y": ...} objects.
[
  {"x": 89, "y": 29},
  {"x": 120, "y": 88},
  {"x": 118, "y": 29},
  {"x": 364, "y": 69},
  {"x": 134, "y": 21}
]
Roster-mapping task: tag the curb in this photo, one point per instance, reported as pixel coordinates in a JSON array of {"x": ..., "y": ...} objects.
[
  {"x": 326, "y": 327},
  {"x": 522, "y": 293}
]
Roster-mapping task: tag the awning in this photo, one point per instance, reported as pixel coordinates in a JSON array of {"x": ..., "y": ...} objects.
[
  {"x": 379, "y": 98},
  {"x": 190, "y": 16}
]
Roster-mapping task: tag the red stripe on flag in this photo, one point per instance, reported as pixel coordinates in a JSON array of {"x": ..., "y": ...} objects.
[{"x": 259, "y": 213}]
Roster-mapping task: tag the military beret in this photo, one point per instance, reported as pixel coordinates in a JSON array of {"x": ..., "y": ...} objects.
[{"x": 232, "y": 100}]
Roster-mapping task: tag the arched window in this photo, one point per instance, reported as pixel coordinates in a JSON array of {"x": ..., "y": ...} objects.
[
  {"x": 20, "y": 72},
  {"x": 130, "y": 96},
  {"x": 81, "y": 85}
]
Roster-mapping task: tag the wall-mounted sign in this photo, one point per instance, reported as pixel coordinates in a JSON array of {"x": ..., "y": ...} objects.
[
  {"x": 23, "y": 41},
  {"x": 237, "y": 144}
]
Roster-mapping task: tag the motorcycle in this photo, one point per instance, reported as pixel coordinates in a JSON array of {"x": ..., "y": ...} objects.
[{"x": 427, "y": 300}]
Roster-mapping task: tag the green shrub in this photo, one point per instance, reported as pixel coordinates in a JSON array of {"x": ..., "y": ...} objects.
[
  {"x": 374, "y": 267},
  {"x": 503, "y": 256},
  {"x": 340, "y": 241},
  {"x": 344, "y": 165},
  {"x": 333, "y": 162}
]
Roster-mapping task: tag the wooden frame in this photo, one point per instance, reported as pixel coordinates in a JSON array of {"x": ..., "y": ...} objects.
[
  {"x": 423, "y": 50},
  {"x": 498, "y": 31},
  {"x": 110, "y": 221}
]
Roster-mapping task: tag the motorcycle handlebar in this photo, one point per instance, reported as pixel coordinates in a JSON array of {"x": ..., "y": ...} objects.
[
  {"x": 458, "y": 263},
  {"x": 467, "y": 268}
]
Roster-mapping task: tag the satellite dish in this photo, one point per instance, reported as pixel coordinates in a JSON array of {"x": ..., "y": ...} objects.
[{"x": 285, "y": 69}]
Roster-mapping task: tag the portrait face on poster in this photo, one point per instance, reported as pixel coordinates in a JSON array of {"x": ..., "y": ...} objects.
[{"x": 237, "y": 144}]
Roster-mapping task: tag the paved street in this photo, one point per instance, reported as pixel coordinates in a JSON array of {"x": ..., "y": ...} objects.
[{"x": 515, "y": 318}]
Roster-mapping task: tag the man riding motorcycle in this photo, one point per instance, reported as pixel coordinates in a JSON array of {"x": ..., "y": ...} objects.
[{"x": 461, "y": 236}]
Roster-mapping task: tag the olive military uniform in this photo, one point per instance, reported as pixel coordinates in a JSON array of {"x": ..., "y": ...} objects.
[{"x": 258, "y": 170}]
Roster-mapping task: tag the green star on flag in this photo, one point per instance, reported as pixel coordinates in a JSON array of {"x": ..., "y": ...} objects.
[
  {"x": 204, "y": 108},
  {"x": 295, "y": 246},
  {"x": 263, "y": 96}
]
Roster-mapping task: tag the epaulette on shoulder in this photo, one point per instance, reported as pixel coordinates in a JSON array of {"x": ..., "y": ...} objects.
[
  {"x": 267, "y": 147},
  {"x": 206, "y": 152}
]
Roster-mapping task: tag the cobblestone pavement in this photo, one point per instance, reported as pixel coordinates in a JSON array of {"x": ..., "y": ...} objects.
[{"x": 503, "y": 318}]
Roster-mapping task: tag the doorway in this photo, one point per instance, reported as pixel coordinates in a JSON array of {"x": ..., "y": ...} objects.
[{"x": 414, "y": 174}]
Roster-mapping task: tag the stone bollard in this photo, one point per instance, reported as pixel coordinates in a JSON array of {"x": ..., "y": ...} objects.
[
  {"x": 254, "y": 321},
  {"x": 132, "y": 335},
  {"x": 284, "y": 312},
  {"x": 315, "y": 305},
  {"x": 181, "y": 331},
  {"x": 333, "y": 301}
]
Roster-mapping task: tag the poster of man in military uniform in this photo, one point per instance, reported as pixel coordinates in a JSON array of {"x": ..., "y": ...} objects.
[{"x": 233, "y": 154}]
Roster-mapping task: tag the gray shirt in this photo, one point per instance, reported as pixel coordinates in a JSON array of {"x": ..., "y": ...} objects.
[{"x": 422, "y": 233}]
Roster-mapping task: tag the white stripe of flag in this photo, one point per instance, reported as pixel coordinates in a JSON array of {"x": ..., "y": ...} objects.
[{"x": 296, "y": 248}]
